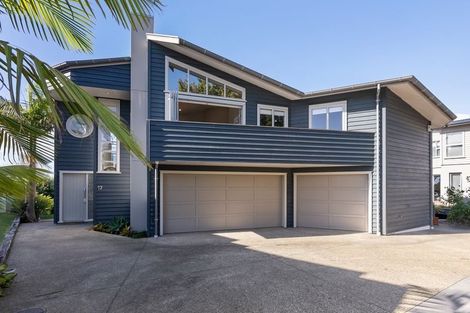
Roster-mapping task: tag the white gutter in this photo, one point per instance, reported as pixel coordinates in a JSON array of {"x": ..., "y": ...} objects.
[{"x": 377, "y": 159}]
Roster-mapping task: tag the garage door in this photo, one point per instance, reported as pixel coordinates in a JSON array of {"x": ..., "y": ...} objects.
[
  {"x": 332, "y": 201},
  {"x": 201, "y": 202}
]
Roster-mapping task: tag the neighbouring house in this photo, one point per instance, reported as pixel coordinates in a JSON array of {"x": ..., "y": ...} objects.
[
  {"x": 232, "y": 148},
  {"x": 451, "y": 157}
]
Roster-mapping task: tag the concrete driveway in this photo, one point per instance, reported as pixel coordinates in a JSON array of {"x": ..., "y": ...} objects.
[{"x": 67, "y": 268}]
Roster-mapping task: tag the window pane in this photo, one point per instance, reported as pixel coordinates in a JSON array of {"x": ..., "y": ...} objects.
[
  {"x": 197, "y": 83},
  {"x": 454, "y": 138},
  {"x": 455, "y": 180},
  {"x": 265, "y": 117},
  {"x": 336, "y": 120},
  {"x": 454, "y": 151},
  {"x": 233, "y": 93},
  {"x": 215, "y": 88},
  {"x": 335, "y": 109},
  {"x": 437, "y": 186},
  {"x": 436, "y": 148},
  {"x": 279, "y": 118},
  {"x": 109, "y": 150},
  {"x": 319, "y": 119},
  {"x": 194, "y": 112},
  {"x": 177, "y": 78}
]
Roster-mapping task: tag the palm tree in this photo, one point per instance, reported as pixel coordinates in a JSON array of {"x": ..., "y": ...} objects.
[{"x": 69, "y": 23}]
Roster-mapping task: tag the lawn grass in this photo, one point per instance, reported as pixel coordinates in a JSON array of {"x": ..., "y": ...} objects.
[{"x": 5, "y": 222}]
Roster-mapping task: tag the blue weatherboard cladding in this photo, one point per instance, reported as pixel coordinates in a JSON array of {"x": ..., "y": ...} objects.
[
  {"x": 110, "y": 77},
  {"x": 254, "y": 95},
  {"x": 180, "y": 141},
  {"x": 73, "y": 154},
  {"x": 114, "y": 197}
]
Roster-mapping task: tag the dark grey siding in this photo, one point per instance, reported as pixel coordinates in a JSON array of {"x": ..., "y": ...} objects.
[
  {"x": 116, "y": 77},
  {"x": 361, "y": 110},
  {"x": 254, "y": 94},
  {"x": 408, "y": 190},
  {"x": 180, "y": 141},
  {"x": 114, "y": 198}
]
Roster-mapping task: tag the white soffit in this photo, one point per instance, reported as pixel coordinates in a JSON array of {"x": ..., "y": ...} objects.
[
  {"x": 422, "y": 104},
  {"x": 173, "y": 43}
]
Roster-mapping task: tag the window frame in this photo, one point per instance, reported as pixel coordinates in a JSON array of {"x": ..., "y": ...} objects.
[
  {"x": 450, "y": 179},
  {"x": 343, "y": 104},
  {"x": 208, "y": 76},
  {"x": 109, "y": 102},
  {"x": 455, "y": 145},
  {"x": 273, "y": 108},
  {"x": 435, "y": 141},
  {"x": 434, "y": 186}
]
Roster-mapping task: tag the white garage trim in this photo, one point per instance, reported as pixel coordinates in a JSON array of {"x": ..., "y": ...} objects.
[
  {"x": 163, "y": 173},
  {"x": 369, "y": 192}
]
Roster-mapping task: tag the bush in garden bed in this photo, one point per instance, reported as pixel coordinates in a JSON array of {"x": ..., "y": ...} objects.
[
  {"x": 119, "y": 226},
  {"x": 6, "y": 277},
  {"x": 460, "y": 206}
]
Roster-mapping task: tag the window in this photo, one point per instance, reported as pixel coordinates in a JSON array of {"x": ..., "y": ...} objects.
[
  {"x": 186, "y": 79},
  {"x": 274, "y": 116},
  {"x": 454, "y": 145},
  {"x": 108, "y": 145},
  {"x": 436, "y": 148},
  {"x": 79, "y": 126},
  {"x": 195, "y": 112},
  {"x": 330, "y": 116},
  {"x": 195, "y": 96},
  {"x": 455, "y": 180},
  {"x": 437, "y": 186}
]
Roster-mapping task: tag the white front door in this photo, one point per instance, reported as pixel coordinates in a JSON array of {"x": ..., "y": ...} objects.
[{"x": 74, "y": 197}]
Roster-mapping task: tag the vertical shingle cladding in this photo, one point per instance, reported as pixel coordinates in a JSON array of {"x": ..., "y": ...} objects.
[
  {"x": 254, "y": 94},
  {"x": 361, "y": 107},
  {"x": 408, "y": 182}
]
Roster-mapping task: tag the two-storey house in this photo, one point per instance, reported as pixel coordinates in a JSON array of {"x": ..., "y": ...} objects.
[{"x": 232, "y": 148}]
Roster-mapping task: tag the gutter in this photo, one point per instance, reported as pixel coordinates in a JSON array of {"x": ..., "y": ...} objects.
[{"x": 377, "y": 160}]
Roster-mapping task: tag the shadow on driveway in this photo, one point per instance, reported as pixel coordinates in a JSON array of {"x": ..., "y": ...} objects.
[{"x": 67, "y": 268}]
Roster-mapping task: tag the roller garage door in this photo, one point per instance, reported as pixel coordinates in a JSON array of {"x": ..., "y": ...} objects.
[
  {"x": 202, "y": 202},
  {"x": 332, "y": 201}
]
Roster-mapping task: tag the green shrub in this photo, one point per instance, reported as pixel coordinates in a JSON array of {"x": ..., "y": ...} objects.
[
  {"x": 44, "y": 204},
  {"x": 459, "y": 214},
  {"x": 6, "y": 277},
  {"x": 46, "y": 188},
  {"x": 119, "y": 226},
  {"x": 455, "y": 195}
]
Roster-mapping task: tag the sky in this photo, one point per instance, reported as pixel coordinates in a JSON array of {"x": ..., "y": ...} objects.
[{"x": 310, "y": 45}]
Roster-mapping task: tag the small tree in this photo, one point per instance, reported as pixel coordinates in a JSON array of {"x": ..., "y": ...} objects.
[{"x": 455, "y": 196}]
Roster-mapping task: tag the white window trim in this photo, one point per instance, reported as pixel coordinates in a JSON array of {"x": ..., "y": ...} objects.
[
  {"x": 343, "y": 104},
  {"x": 455, "y": 145},
  {"x": 169, "y": 60},
  {"x": 438, "y": 140},
  {"x": 273, "y": 108},
  {"x": 455, "y": 173},
  {"x": 117, "y": 103}
]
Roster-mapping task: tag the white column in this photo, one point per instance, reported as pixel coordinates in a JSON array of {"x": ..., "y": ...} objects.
[{"x": 139, "y": 111}]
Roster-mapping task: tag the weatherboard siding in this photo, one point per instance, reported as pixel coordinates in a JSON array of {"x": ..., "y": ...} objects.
[
  {"x": 408, "y": 169},
  {"x": 117, "y": 77}
]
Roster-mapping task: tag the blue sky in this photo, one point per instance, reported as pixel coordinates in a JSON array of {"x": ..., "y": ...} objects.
[{"x": 312, "y": 45}]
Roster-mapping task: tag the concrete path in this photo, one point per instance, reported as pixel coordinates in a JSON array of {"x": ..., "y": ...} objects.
[{"x": 68, "y": 268}]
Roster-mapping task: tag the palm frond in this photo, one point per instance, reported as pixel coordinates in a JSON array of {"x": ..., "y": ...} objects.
[
  {"x": 14, "y": 179},
  {"x": 69, "y": 22},
  {"x": 49, "y": 84},
  {"x": 20, "y": 142}
]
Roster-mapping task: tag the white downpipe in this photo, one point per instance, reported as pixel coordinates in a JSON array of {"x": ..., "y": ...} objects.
[{"x": 377, "y": 159}]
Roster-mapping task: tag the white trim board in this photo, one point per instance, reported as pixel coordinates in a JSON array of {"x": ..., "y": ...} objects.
[
  {"x": 61, "y": 192},
  {"x": 164, "y": 172}
]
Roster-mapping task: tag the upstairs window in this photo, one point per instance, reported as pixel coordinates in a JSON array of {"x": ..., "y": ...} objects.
[
  {"x": 436, "y": 148},
  {"x": 186, "y": 79},
  {"x": 108, "y": 145},
  {"x": 331, "y": 116},
  {"x": 274, "y": 116},
  {"x": 454, "y": 145}
]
